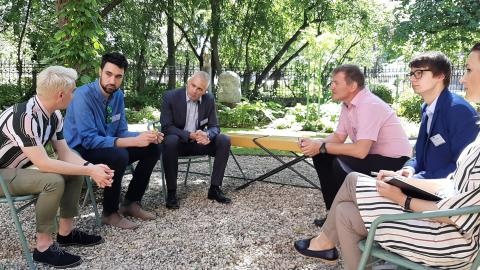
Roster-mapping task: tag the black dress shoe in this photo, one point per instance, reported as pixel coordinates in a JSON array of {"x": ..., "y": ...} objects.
[
  {"x": 215, "y": 193},
  {"x": 172, "y": 202},
  {"x": 319, "y": 222},
  {"x": 329, "y": 255}
]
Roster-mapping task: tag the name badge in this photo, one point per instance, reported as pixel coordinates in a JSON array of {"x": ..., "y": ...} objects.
[
  {"x": 204, "y": 121},
  {"x": 437, "y": 140},
  {"x": 115, "y": 117}
]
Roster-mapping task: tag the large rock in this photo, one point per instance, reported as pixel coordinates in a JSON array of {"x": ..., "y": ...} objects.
[{"x": 229, "y": 90}]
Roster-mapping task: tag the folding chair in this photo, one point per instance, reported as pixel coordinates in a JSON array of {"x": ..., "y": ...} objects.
[
  {"x": 186, "y": 160},
  {"x": 371, "y": 248},
  {"x": 14, "y": 211}
]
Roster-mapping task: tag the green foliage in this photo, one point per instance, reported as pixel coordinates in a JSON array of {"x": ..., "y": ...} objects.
[
  {"x": 150, "y": 95},
  {"x": 247, "y": 115},
  {"x": 10, "y": 94},
  {"x": 410, "y": 106},
  {"x": 144, "y": 115},
  {"x": 382, "y": 91},
  {"x": 313, "y": 117},
  {"x": 450, "y": 26},
  {"x": 78, "y": 43}
]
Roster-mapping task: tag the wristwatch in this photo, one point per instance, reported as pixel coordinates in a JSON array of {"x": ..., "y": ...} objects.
[{"x": 323, "y": 148}]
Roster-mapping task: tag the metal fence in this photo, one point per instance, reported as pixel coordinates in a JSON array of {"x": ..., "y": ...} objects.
[{"x": 294, "y": 83}]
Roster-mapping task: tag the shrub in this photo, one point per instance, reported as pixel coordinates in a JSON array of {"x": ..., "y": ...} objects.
[
  {"x": 383, "y": 91},
  {"x": 246, "y": 115},
  {"x": 10, "y": 94},
  {"x": 144, "y": 115},
  {"x": 409, "y": 106}
]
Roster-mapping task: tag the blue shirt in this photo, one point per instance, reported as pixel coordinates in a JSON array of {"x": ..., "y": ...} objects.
[{"x": 93, "y": 121}]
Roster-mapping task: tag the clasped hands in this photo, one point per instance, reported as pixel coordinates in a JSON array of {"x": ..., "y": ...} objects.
[
  {"x": 201, "y": 137},
  {"x": 101, "y": 174}
]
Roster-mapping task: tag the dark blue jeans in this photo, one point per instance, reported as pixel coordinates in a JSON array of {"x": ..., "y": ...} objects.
[{"x": 118, "y": 159}]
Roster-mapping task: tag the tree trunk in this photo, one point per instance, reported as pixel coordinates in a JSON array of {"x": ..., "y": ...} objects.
[
  {"x": 215, "y": 63},
  {"x": 172, "y": 79},
  {"x": 19, "y": 46}
]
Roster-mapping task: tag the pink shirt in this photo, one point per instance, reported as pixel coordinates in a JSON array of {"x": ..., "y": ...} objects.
[{"x": 370, "y": 118}]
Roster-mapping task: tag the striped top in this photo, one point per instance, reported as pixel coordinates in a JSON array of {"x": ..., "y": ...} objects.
[
  {"x": 425, "y": 241},
  {"x": 23, "y": 125}
]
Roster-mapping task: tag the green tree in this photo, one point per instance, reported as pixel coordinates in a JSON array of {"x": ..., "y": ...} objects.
[{"x": 451, "y": 26}]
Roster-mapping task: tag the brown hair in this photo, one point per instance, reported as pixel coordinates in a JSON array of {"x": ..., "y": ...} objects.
[
  {"x": 436, "y": 62},
  {"x": 352, "y": 74}
]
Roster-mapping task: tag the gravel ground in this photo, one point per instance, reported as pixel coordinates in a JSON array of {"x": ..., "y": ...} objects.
[{"x": 256, "y": 231}]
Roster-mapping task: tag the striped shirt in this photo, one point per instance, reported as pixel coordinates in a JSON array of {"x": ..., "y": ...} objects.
[
  {"x": 24, "y": 125},
  {"x": 425, "y": 241}
]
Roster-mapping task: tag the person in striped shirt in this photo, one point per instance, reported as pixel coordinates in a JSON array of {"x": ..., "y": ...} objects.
[
  {"x": 25, "y": 129},
  {"x": 446, "y": 243}
]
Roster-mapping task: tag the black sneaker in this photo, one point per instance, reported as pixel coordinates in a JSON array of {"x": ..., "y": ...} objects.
[
  {"x": 79, "y": 238},
  {"x": 56, "y": 257}
]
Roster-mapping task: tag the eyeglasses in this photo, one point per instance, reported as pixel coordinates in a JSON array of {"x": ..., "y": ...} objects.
[
  {"x": 417, "y": 74},
  {"x": 108, "y": 114}
]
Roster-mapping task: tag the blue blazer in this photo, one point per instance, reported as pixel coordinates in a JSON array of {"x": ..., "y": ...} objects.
[
  {"x": 174, "y": 113},
  {"x": 455, "y": 121}
]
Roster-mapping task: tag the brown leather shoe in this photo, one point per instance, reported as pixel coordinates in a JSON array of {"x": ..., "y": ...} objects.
[
  {"x": 118, "y": 221},
  {"x": 135, "y": 210}
]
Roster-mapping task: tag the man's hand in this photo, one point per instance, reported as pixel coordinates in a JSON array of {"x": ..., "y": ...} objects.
[
  {"x": 101, "y": 174},
  {"x": 160, "y": 136},
  {"x": 146, "y": 138},
  {"x": 310, "y": 147},
  {"x": 407, "y": 172},
  {"x": 201, "y": 137}
]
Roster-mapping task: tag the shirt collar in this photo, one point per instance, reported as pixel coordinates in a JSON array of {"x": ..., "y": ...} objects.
[
  {"x": 40, "y": 107},
  {"x": 187, "y": 98},
  {"x": 431, "y": 108}
]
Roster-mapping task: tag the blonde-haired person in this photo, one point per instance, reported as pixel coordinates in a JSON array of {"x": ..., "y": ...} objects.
[
  {"x": 26, "y": 128},
  {"x": 447, "y": 243}
]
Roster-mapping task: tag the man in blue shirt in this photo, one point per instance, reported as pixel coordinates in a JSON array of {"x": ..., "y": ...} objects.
[
  {"x": 96, "y": 127},
  {"x": 448, "y": 121}
]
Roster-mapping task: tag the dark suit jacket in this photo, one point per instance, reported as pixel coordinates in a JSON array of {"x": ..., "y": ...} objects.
[
  {"x": 455, "y": 120},
  {"x": 174, "y": 113}
]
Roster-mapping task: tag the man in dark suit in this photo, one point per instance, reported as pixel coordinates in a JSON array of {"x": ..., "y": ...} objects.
[
  {"x": 189, "y": 122},
  {"x": 448, "y": 121}
]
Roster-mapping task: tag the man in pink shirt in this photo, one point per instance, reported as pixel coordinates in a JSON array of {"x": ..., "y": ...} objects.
[{"x": 378, "y": 140}]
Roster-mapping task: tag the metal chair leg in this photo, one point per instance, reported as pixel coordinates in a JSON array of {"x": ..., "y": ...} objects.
[
  {"x": 164, "y": 187},
  {"x": 188, "y": 170},
  {"x": 210, "y": 165},
  {"x": 23, "y": 240}
]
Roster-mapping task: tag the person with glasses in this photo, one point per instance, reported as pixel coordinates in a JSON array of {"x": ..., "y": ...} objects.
[
  {"x": 443, "y": 243},
  {"x": 448, "y": 121},
  {"x": 96, "y": 127}
]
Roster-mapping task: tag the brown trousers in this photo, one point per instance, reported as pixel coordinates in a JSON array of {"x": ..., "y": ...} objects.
[{"x": 54, "y": 191}]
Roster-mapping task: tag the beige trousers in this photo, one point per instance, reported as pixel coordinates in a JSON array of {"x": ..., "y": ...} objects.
[
  {"x": 54, "y": 191},
  {"x": 344, "y": 225}
]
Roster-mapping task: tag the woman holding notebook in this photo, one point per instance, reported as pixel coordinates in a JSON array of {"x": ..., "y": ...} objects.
[{"x": 445, "y": 242}]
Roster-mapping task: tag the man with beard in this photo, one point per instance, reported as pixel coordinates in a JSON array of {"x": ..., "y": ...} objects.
[{"x": 96, "y": 127}]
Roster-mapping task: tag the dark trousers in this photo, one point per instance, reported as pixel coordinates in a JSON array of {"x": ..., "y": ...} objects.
[
  {"x": 118, "y": 159},
  {"x": 173, "y": 148},
  {"x": 332, "y": 170}
]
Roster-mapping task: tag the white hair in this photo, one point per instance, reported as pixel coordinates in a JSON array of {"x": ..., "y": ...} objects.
[
  {"x": 54, "y": 79},
  {"x": 203, "y": 75}
]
